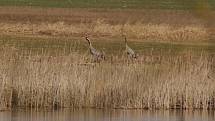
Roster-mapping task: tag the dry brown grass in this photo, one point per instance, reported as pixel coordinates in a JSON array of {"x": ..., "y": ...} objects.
[
  {"x": 142, "y": 24},
  {"x": 39, "y": 81},
  {"x": 111, "y": 16},
  {"x": 152, "y": 82},
  {"x": 139, "y": 31}
]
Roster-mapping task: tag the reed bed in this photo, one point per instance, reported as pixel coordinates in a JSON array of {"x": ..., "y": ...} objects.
[
  {"x": 151, "y": 82},
  {"x": 138, "y": 30}
]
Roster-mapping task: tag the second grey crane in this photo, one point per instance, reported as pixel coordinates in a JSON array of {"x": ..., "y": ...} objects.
[
  {"x": 130, "y": 52},
  {"x": 97, "y": 55}
]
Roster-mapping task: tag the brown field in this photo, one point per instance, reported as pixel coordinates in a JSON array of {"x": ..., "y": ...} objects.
[
  {"x": 158, "y": 25},
  {"x": 137, "y": 31},
  {"x": 113, "y": 16}
]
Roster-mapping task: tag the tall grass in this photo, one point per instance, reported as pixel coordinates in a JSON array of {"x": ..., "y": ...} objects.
[{"x": 40, "y": 81}]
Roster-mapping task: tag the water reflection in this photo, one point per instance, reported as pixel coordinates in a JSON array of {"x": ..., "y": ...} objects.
[{"x": 106, "y": 115}]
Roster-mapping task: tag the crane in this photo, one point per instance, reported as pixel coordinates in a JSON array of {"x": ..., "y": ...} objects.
[
  {"x": 130, "y": 52},
  {"x": 97, "y": 55}
]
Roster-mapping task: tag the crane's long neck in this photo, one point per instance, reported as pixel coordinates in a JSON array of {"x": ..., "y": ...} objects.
[
  {"x": 88, "y": 41},
  {"x": 125, "y": 41}
]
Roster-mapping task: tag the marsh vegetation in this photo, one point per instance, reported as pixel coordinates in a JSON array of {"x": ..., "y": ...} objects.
[
  {"x": 45, "y": 62},
  {"x": 153, "y": 81}
]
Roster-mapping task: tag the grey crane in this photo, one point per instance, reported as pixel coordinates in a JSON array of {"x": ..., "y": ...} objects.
[
  {"x": 97, "y": 55},
  {"x": 130, "y": 52}
]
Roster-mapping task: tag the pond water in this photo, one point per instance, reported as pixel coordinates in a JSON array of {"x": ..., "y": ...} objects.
[{"x": 106, "y": 115}]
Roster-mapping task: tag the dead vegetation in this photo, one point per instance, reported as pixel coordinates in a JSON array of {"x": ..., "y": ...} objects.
[
  {"x": 144, "y": 24},
  {"x": 161, "y": 32},
  {"x": 152, "y": 82},
  {"x": 183, "y": 81}
]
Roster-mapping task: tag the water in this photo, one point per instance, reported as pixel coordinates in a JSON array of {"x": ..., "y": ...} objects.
[{"x": 106, "y": 115}]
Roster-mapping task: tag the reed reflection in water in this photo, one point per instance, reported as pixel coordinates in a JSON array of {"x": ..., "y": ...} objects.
[{"x": 106, "y": 115}]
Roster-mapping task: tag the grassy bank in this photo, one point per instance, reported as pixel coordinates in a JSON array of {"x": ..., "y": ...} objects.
[
  {"x": 152, "y": 82},
  {"x": 158, "y": 4}
]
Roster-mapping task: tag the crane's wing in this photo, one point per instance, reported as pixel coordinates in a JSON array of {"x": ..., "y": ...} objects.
[
  {"x": 129, "y": 50},
  {"x": 94, "y": 51}
]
